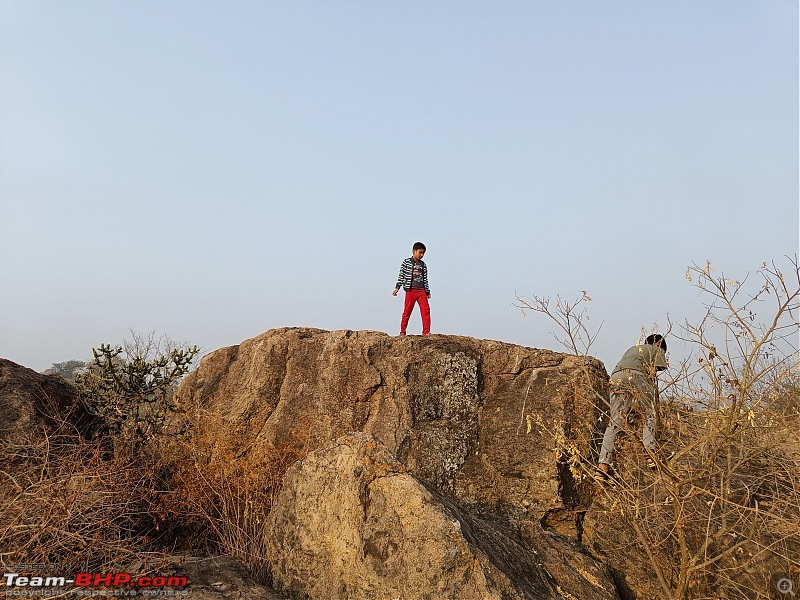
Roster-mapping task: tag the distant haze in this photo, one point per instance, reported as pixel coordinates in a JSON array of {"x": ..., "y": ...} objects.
[{"x": 211, "y": 170}]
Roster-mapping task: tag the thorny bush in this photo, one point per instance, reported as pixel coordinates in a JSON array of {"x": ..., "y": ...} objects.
[{"x": 720, "y": 512}]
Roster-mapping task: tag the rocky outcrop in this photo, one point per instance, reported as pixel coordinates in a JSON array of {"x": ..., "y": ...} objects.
[
  {"x": 459, "y": 460},
  {"x": 30, "y": 401},
  {"x": 458, "y": 412},
  {"x": 351, "y": 523}
]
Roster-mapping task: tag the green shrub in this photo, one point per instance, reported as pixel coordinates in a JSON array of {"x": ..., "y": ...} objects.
[{"x": 131, "y": 388}]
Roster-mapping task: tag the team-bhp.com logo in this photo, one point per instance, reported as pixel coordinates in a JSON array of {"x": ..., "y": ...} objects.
[{"x": 94, "y": 584}]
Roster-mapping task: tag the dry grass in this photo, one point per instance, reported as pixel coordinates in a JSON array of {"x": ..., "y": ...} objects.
[
  {"x": 74, "y": 502},
  {"x": 63, "y": 500},
  {"x": 228, "y": 490}
]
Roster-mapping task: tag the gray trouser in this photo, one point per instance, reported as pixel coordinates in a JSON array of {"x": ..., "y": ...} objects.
[{"x": 629, "y": 387}]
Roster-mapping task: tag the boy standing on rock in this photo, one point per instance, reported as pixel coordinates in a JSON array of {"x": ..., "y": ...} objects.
[{"x": 413, "y": 278}]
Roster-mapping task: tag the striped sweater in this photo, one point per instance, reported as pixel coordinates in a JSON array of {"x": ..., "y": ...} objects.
[{"x": 406, "y": 270}]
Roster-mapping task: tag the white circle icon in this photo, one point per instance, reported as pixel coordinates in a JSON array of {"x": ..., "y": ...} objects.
[{"x": 785, "y": 586}]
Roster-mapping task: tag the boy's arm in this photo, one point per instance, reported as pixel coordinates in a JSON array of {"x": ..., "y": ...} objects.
[
  {"x": 425, "y": 280},
  {"x": 399, "y": 283}
]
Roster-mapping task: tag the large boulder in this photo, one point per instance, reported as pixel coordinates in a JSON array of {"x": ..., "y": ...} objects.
[
  {"x": 32, "y": 403},
  {"x": 351, "y": 523},
  {"x": 460, "y": 414}
]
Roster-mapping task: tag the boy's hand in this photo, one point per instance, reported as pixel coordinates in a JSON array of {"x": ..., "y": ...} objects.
[
  {"x": 429, "y": 296},
  {"x": 394, "y": 293}
]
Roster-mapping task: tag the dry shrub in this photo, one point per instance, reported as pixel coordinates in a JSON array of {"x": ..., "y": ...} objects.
[
  {"x": 84, "y": 505},
  {"x": 76, "y": 495},
  {"x": 64, "y": 501},
  {"x": 226, "y": 490},
  {"x": 719, "y": 514}
]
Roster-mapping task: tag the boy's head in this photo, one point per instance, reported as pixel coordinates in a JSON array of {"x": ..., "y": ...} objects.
[
  {"x": 656, "y": 339},
  {"x": 418, "y": 251}
]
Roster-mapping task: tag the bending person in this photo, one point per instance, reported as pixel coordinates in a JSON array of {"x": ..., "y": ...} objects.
[{"x": 634, "y": 379}]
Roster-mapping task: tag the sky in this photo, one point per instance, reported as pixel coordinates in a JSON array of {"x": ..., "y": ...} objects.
[{"x": 210, "y": 169}]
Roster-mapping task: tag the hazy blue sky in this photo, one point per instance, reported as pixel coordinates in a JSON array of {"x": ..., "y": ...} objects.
[{"x": 211, "y": 169}]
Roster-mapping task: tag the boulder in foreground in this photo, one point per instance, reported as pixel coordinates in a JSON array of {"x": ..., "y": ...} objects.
[{"x": 351, "y": 523}]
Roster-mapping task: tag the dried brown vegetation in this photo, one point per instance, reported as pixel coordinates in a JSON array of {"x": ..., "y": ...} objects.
[
  {"x": 90, "y": 500},
  {"x": 717, "y": 514},
  {"x": 225, "y": 492},
  {"x": 65, "y": 501}
]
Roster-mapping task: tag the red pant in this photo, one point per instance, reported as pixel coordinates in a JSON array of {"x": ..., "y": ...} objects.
[{"x": 413, "y": 296}]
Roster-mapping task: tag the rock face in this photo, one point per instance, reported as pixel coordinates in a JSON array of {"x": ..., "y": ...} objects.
[
  {"x": 351, "y": 523},
  {"x": 30, "y": 401},
  {"x": 458, "y": 412},
  {"x": 457, "y": 466}
]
